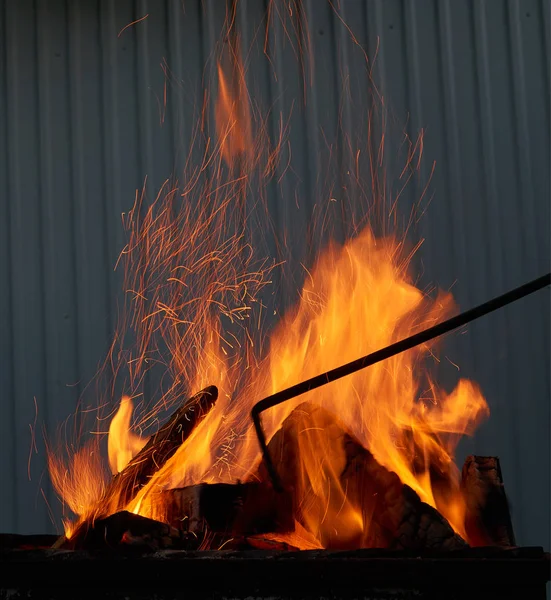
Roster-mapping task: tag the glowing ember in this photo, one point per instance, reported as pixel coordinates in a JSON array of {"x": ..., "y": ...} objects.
[{"x": 193, "y": 282}]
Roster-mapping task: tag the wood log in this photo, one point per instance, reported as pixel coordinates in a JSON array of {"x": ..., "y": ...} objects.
[
  {"x": 126, "y": 530},
  {"x": 241, "y": 509},
  {"x": 398, "y": 517},
  {"x": 392, "y": 514},
  {"x": 129, "y": 532},
  {"x": 443, "y": 474},
  {"x": 488, "y": 520},
  {"x": 16, "y": 541},
  {"x": 160, "y": 447}
]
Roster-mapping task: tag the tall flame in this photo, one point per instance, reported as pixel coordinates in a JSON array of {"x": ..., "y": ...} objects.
[
  {"x": 359, "y": 299},
  {"x": 232, "y": 112}
]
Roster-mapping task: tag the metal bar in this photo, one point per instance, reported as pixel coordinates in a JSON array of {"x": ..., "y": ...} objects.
[{"x": 380, "y": 355}]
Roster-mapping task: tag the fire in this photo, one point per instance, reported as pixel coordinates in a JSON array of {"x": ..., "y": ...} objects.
[
  {"x": 358, "y": 299},
  {"x": 80, "y": 481},
  {"x": 193, "y": 284},
  {"x": 232, "y": 116},
  {"x": 122, "y": 444}
]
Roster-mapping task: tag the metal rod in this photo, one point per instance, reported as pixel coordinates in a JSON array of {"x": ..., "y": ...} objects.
[{"x": 380, "y": 355}]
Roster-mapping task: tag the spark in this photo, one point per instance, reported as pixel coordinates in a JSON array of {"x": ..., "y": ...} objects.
[
  {"x": 132, "y": 23},
  {"x": 33, "y": 439}
]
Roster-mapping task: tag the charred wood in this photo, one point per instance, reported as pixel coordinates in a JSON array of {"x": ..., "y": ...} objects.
[
  {"x": 15, "y": 541},
  {"x": 125, "y": 530},
  {"x": 239, "y": 509},
  {"x": 443, "y": 474},
  {"x": 160, "y": 447},
  {"x": 392, "y": 514},
  {"x": 399, "y": 519},
  {"x": 488, "y": 520}
]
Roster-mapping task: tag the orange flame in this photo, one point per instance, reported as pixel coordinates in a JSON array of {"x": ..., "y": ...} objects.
[
  {"x": 232, "y": 113},
  {"x": 80, "y": 482},
  {"x": 122, "y": 444},
  {"x": 357, "y": 299}
]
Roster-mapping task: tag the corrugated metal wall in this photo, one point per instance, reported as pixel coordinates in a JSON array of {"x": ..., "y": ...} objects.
[{"x": 79, "y": 130}]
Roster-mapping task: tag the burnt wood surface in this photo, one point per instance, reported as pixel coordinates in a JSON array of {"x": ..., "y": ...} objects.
[
  {"x": 488, "y": 520},
  {"x": 127, "y": 533},
  {"x": 399, "y": 518},
  {"x": 396, "y": 516},
  {"x": 15, "y": 541},
  {"x": 125, "y": 529},
  {"x": 236, "y": 509}
]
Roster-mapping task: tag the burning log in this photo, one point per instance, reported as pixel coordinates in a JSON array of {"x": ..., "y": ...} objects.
[
  {"x": 126, "y": 530},
  {"x": 399, "y": 519},
  {"x": 442, "y": 472},
  {"x": 388, "y": 514},
  {"x": 488, "y": 520},
  {"x": 242, "y": 509},
  {"x": 129, "y": 532},
  {"x": 161, "y": 446}
]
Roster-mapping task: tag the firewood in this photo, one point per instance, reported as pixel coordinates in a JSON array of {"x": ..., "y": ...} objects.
[
  {"x": 392, "y": 513},
  {"x": 160, "y": 447},
  {"x": 399, "y": 519},
  {"x": 443, "y": 474},
  {"x": 126, "y": 530},
  {"x": 488, "y": 520},
  {"x": 239, "y": 509}
]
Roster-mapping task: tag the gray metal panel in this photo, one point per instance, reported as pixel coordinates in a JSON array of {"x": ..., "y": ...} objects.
[{"x": 82, "y": 123}]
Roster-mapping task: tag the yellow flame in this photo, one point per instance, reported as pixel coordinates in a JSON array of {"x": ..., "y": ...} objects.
[{"x": 122, "y": 444}]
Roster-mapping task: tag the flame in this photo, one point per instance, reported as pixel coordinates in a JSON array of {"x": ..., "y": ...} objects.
[
  {"x": 80, "y": 481},
  {"x": 359, "y": 299},
  {"x": 232, "y": 113},
  {"x": 122, "y": 444}
]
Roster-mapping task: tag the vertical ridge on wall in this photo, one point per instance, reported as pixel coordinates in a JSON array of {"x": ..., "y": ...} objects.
[
  {"x": 527, "y": 95},
  {"x": 58, "y": 297},
  {"x": 7, "y": 405},
  {"x": 83, "y": 123},
  {"x": 26, "y": 283},
  {"x": 92, "y": 266},
  {"x": 497, "y": 324}
]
